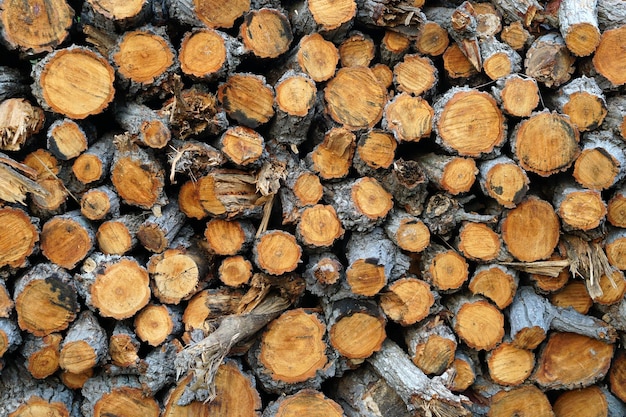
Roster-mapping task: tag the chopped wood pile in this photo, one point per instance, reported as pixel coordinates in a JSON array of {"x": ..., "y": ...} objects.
[{"x": 343, "y": 208}]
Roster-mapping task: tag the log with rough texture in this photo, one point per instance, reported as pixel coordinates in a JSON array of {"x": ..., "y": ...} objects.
[
  {"x": 118, "y": 236},
  {"x": 518, "y": 96},
  {"x": 159, "y": 230},
  {"x": 36, "y": 26},
  {"x": 606, "y": 62},
  {"x": 524, "y": 401},
  {"x": 84, "y": 346},
  {"x": 19, "y": 121},
  {"x": 476, "y": 321},
  {"x": 113, "y": 16},
  {"x": 18, "y": 236},
  {"x": 578, "y": 23},
  {"x": 147, "y": 125},
  {"x": 319, "y": 227},
  {"x": 407, "y": 231},
  {"x": 409, "y": 118},
  {"x": 177, "y": 273},
  {"x": 277, "y": 252},
  {"x": 579, "y": 208},
  {"x": 546, "y": 143},
  {"x": 292, "y": 353},
  {"x": 591, "y": 401},
  {"x": 407, "y": 301},
  {"x": 156, "y": 322},
  {"x": 93, "y": 165},
  {"x": 601, "y": 163},
  {"x": 41, "y": 354},
  {"x": 67, "y": 239},
  {"x": 306, "y": 402},
  {"x": 557, "y": 368},
  {"x": 431, "y": 345},
  {"x": 419, "y": 393},
  {"x": 510, "y": 365},
  {"x": 122, "y": 396},
  {"x": 295, "y": 106},
  {"x": 503, "y": 180},
  {"x": 332, "y": 158},
  {"x": 100, "y": 203},
  {"x": 209, "y": 54},
  {"x": 266, "y": 32},
  {"x": 90, "y": 91},
  {"x": 117, "y": 287},
  {"x": 67, "y": 139},
  {"x": 549, "y": 61},
  {"x": 445, "y": 269},
  {"x": 496, "y": 282},
  {"x": 469, "y": 122},
  {"x": 339, "y": 98},
  {"x": 247, "y": 99},
  {"x": 45, "y": 299},
  {"x": 531, "y": 230}
]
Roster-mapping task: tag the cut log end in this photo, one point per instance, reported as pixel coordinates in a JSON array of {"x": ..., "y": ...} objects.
[
  {"x": 277, "y": 252},
  {"x": 407, "y": 301},
  {"x": 91, "y": 90}
]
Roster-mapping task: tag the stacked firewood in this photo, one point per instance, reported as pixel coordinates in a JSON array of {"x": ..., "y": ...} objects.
[{"x": 340, "y": 208}]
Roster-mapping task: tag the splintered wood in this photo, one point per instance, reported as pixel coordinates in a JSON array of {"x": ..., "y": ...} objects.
[{"x": 359, "y": 208}]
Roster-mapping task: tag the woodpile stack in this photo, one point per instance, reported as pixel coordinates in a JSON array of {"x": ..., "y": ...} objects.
[{"x": 340, "y": 208}]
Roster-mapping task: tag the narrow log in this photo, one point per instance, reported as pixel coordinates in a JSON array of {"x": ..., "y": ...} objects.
[
  {"x": 465, "y": 368},
  {"x": 518, "y": 223},
  {"x": 235, "y": 392},
  {"x": 90, "y": 93},
  {"x": 407, "y": 301},
  {"x": 100, "y": 203},
  {"x": 615, "y": 119},
  {"x": 418, "y": 392},
  {"x": 432, "y": 39},
  {"x": 578, "y": 208},
  {"x": 617, "y": 374},
  {"x": 332, "y": 21},
  {"x": 85, "y": 345},
  {"x": 208, "y": 54},
  {"x": 332, "y": 158},
  {"x": 45, "y": 299},
  {"x": 224, "y": 237},
  {"x": 304, "y": 402},
  {"x": 431, "y": 345},
  {"x": 213, "y": 14},
  {"x": 578, "y": 23},
  {"x": 407, "y": 231},
  {"x": 136, "y": 174},
  {"x": 356, "y": 329},
  {"x": 601, "y": 154},
  {"x": 67, "y": 239},
  {"x": 21, "y": 395},
  {"x": 503, "y": 180},
  {"x": 93, "y": 165},
  {"x": 360, "y": 204},
  {"x": 235, "y": 271},
  {"x": 499, "y": 59},
  {"x": 177, "y": 273},
  {"x": 116, "y": 395},
  {"x": 409, "y": 118},
  {"x": 155, "y": 323},
  {"x": 266, "y": 32},
  {"x": 496, "y": 282},
  {"x": 616, "y": 208},
  {"x": 393, "y": 47},
  {"x": 516, "y": 36},
  {"x": 151, "y": 129},
  {"x": 124, "y": 346},
  {"x": 158, "y": 231},
  {"x": 276, "y": 252},
  {"x": 295, "y": 106},
  {"x": 144, "y": 60},
  {"x": 363, "y": 393},
  {"x": 10, "y": 337},
  {"x": 319, "y": 227},
  {"x": 509, "y": 365},
  {"x": 415, "y": 75},
  {"x": 41, "y": 354},
  {"x": 6, "y": 302},
  {"x": 20, "y": 236},
  {"x": 247, "y": 99},
  {"x": 518, "y": 401},
  {"x": 443, "y": 268},
  {"x": 119, "y": 236},
  {"x": 317, "y": 57},
  {"x": 113, "y": 17},
  {"x": 229, "y": 193},
  {"x": 476, "y": 321},
  {"x": 373, "y": 261},
  {"x": 573, "y": 295},
  {"x": 67, "y": 139}
]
